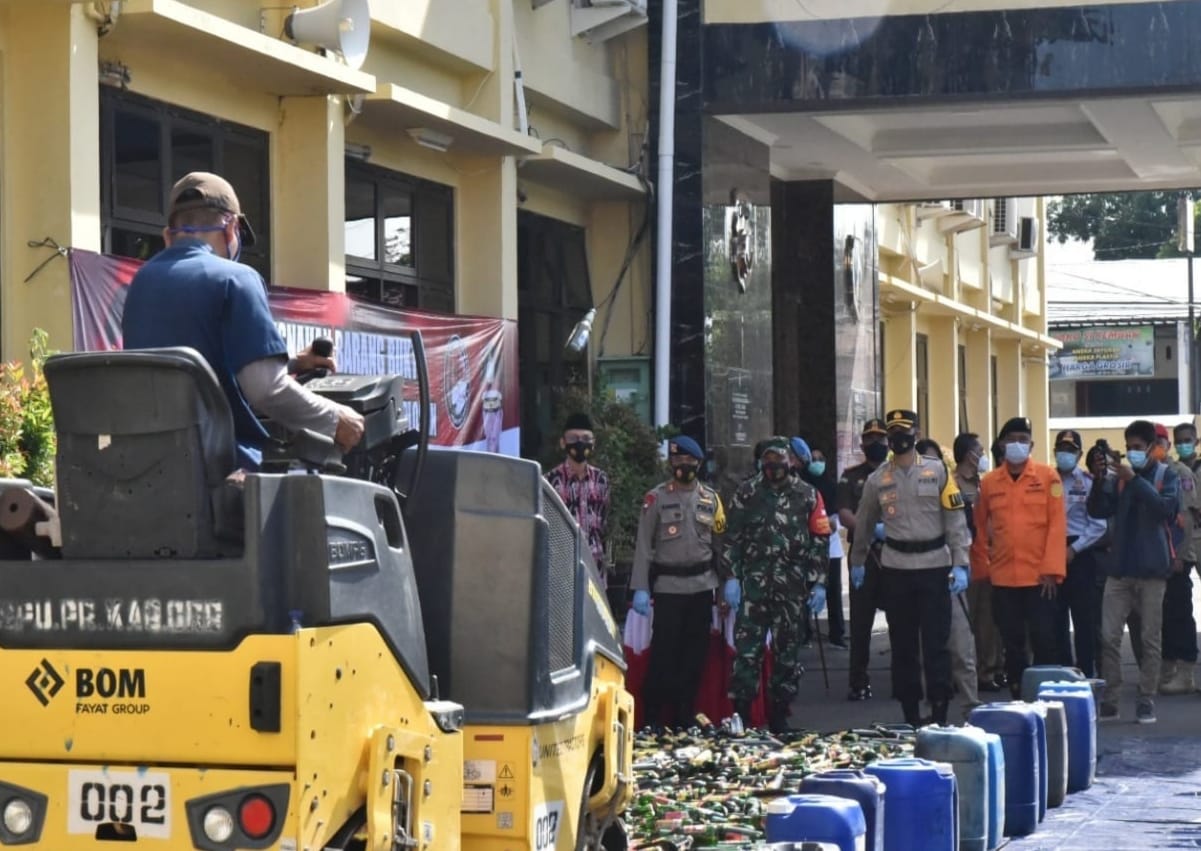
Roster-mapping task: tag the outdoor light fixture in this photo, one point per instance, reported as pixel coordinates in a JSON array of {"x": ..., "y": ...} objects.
[
  {"x": 581, "y": 332},
  {"x": 356, "y": 151},
  {"x": 114, "y": 74},
  {"x": 432, "y": 139}
]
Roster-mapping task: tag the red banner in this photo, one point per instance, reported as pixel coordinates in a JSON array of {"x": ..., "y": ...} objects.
[{"x": 472, "y": 360}]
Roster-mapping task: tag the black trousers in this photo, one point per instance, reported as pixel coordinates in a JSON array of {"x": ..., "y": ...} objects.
[
  {"x": 837, "y": 626},
  {"x": 1079, "y": 607},
  {"x": 918, "y": 605},
  {"x": 1179, "y": 626},
  {"x": 679, "y": 645},
  {"x": 1024, "y": 614},
  {"x": 864, "y": 603}
]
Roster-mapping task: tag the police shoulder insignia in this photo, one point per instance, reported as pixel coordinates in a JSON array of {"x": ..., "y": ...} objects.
[
  {"x": 1056, "y": 490},
  {"x": 952, "y": 499},
  {"x": 648, "y": 500}
]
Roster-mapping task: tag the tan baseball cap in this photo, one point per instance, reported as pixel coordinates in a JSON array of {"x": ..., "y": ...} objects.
[{"x": 201, "y": 189}]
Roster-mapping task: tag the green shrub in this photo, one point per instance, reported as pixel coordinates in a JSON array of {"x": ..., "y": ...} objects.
[{"x": 27, "y": 441}]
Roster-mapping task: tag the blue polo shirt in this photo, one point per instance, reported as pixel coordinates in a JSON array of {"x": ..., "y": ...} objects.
[{"x": 188, "y": 296}]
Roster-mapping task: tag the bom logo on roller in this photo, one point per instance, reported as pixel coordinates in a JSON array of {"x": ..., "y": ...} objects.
[{"x": 98, "y": 691}]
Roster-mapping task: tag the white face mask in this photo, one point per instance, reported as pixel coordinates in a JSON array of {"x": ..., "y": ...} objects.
[{"x": 983, "y": 463}]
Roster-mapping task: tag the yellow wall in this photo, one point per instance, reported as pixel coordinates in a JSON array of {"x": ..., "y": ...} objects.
[
  {"x": 957, "y": 289},
  {"x": 593, "y": 97}
]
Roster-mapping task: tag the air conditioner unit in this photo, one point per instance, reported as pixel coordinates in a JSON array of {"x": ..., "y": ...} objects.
[
  {"x": 601, "y": 20},
  {"x": 965, "y": 214},
  {"x": 1027, "y": 238},
  {"x": 1004, "y": 231}
]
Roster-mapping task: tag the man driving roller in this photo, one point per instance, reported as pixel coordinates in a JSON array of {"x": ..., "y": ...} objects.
[{"x": 195, "y": 293}]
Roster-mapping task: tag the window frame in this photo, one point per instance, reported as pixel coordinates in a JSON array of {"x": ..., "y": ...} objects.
[
  {"x": 168, "y": 116},
  {"x": 419, "y": 276}
]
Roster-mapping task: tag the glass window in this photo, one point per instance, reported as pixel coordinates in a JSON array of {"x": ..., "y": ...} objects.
[
  {"x": 360, "y": 218},
  {"x": 137, "y": 162},
  {"x": 141, "y": 245},
  {"x": 398, "y": 236},
  {"x": 191, "y": 150},
  {"x": 398, "y": 226}
]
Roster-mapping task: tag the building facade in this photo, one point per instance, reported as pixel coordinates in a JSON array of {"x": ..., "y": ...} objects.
[{"x": 426, "y": 178}]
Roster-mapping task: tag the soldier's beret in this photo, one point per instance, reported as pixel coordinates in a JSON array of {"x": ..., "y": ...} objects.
[{"x": 800, "y": 448}]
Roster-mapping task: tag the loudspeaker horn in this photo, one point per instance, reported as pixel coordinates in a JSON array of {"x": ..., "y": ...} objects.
[{"x": 343, "y": 26}]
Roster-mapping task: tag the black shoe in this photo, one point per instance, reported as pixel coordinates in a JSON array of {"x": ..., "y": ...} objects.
[
  {"x": 938, "y": 713},
  {"x": 864, "y": 693},
  {"x": 1001, "y": 679},
  {"x": 778, "y": 717},
  {"x": 839, "y": 643}
]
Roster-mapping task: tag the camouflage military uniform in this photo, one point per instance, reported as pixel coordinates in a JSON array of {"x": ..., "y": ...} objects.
[{"x": 778, "y": 548}]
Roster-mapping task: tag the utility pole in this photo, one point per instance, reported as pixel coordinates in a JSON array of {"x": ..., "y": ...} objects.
[{"x": 1184, "y": 241}]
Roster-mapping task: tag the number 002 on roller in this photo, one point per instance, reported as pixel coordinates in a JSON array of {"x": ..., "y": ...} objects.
[{"x": 134, "y": 798}]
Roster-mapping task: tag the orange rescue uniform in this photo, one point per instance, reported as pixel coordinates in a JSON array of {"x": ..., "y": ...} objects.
[{"x": 1021, "y": 527}]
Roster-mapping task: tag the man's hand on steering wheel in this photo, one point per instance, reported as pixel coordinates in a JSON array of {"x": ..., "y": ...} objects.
[{"x": 308, "y": 360}]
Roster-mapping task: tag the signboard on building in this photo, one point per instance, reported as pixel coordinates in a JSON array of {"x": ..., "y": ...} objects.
[
  {"x": 1103, "y": 352},
  {"x": 472, "y": 360}
]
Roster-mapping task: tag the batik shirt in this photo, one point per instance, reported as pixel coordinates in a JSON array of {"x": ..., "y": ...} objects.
[{"x": 588, "y": 501}]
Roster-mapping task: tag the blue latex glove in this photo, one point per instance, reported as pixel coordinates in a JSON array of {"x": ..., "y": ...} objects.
[
  {"x": 879, "y": 532},
  {"x": 958, "y": 579},
  {"x": 858, "y": 574},
  {"x": 642, "y": 603},
  {"x": 817, "y": 599},
  {"x": 733, "y": 593}
]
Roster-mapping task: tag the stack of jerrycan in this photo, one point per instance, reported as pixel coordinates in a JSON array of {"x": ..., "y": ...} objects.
[
  {"x": 857, "y": 786},
  {"x": 1023, "y": 741},
  {"x": 980, "y": 784},
  {"x": 921, "y": 808},
  {"x": 823, "y": 819},
  {"x": 1077, "y": 700},
  {"x": 1036, "y": 675}
]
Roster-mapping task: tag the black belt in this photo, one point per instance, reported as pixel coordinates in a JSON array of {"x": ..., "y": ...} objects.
[
  {"x": 680, "y": 569},
  {"x": 917, "y": 547}
]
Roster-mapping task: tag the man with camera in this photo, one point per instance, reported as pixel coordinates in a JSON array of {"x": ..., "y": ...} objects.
[{"x": 1142, "y": 496}]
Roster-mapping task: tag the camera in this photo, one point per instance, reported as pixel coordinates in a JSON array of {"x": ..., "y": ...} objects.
[{"x": 1101, "y": 454}]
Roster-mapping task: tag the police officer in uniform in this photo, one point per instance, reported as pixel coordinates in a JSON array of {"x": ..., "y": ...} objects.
[
  {"x": 678, "y": 560},
  {"x": 865, "y": 581},
  {"x": 924, "y": 562}
]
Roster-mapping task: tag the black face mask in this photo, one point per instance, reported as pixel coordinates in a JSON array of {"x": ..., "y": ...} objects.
[
  {"x": 775, "y": 471},
  {"x": 876, "y": 452},
  {"x": 901, "y": 443},
  {"x": 685, "y": 473},
  {"x": 580, "y": 451}
]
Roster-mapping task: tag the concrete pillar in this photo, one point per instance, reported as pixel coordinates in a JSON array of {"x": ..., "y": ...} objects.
[
  {"x": 979, "y": 384},
  {"x": 50, "y": 123},
  {"x": 944, "y": 381},
  {"x": 1010, "y": 398},
  {"x": 487, "y": 222},
  {"x": 1037, "y": 400},
  {"x": 309, "y": 195},
  {"x": 900, "y": 369}
]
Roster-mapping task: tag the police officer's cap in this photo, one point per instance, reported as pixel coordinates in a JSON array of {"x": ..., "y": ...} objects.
[
  {"x": 1068, "y": 440},
  {"x": 1016, "y": 425},
  {"x": 684, "y": 445},
  {"x": 777, "y": 444},
  {"x": 874, "y": 426},
  {"x": 800, "y": 448},
  {"x": 901, "y": 418}
]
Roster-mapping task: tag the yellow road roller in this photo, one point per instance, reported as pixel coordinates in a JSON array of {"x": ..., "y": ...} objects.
[{"x": 396, "y": 649}]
